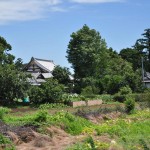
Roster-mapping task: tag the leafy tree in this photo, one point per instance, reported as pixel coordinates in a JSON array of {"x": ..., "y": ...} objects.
[
  {"x": 19, "y": 64},
  {"x": 143, "y": 46},
  {"x": 13, "y": 83},
  {"x": 85, "y": 52},
  {"x": 119, "y": 73},
  {"x": 61, "y": 74},
  {"x": 5, "y": 57},
  {"x": 133, "y": 56},
  {"x": 98, "y": 67}
]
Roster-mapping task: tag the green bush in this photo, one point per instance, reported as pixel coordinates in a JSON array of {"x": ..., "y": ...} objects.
[
  {"x": 36, "y": 94},
  {"x": 50, "y": 91},
  {"x": 143, "y": 99},
  {"x": 125, "y": 90},
  {"x": 3, "y": 111},
  {"x": 41, "y": 116},
  {"x": 53, "y": 91},
  {"x": 122, "y": 94},
  {"x": 129, "y": 105},
  {"x": 119, "y": 98}
]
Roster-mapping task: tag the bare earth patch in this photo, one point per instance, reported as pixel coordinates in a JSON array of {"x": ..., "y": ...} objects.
[{"x": 35, "y": 141}]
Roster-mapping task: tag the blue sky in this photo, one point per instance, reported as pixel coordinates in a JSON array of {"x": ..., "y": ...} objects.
[{"x": 42, "y": 28}]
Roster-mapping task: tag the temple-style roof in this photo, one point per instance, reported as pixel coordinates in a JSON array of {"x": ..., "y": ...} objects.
[
  {"x": 39, "y": 65},
  {"x": 40, "y": 69}
]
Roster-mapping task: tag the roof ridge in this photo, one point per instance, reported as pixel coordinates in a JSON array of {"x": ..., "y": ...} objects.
[{"x": 43, "y": 59}]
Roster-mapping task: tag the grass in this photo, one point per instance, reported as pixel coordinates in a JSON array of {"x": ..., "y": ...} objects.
[{"x": 132, "y": 132}]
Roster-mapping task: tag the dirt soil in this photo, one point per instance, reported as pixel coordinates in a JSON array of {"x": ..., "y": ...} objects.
[{"x": 27, "y": 138}]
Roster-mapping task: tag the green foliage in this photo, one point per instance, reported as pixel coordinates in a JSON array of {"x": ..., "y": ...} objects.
[
  {"x": 122, "y": 94},
  {"x": 13, "y": 83},
  {"x": 125, "y": 90},
  {"x": 62, "y": 75},
  {"x": 71, "y": 124},
  {"x": 19, "y": 64},
  {"x": 89, "y": 90},
  {"x": 143, "y": 99},
  {"x": 41, "y": 116},
  {"x": 107, "y": 72},
  {"x": 53, "y": 91},
  {"x": 144, "y": 144},
  {"x": 52, "y": 105},
  {"x": 36, "y": 94},
  {"x": 7, "y": 144},
  {"x": 105, "y": 97},
  {"x": 133, "y": 56},
  {"x": 50, "y": 91},
  {"x": 5, "y": 56},
  {"x": 84, "y": 49},
  {"x": 119, "y": 98},
  {"x": 130, "y": 105},
  {"x": 3, "y": 111},
  {"x": 89, "y": 85},
  {"x": 142, "y": 45},
  {"x": 128, "y": 131},
  {"x": 72, "y": 97},
  {"x": 90, "y": 144}
]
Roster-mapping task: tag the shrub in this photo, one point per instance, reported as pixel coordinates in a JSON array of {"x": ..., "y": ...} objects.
[
  {"x": 36, "y": 94},
  {"x": 122, "y": 94},
  {"x": 50, "y": 91},
  {"x": 119, "y": 98},
  {"x": 91, "y": 142},
  {"x": 87, "y": 91},
  {"x": 129, "y": 105},
  {"x": 41, "y": 116},
  {"x": 3, "y": 110},
  {"x": 53, "y": 91},
  {"x": 125, "y": 90},
  {"x": 143, "y": 99}
]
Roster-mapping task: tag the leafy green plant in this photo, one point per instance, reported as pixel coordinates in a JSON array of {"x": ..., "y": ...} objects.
[
  {"x": 144, "y": 144},
  {"x": 3, "y": 111},
  {"x": 52, "y": 105},
  {"x": 41, "y": 116},
  {"x": 125, "y": 90},
  {"x": 7, "y": 144},
  {"x": 129, "y": 105},
  {"x": 91, "y": 142}
]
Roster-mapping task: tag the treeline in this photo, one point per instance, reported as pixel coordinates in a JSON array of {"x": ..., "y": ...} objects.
[
  {"x": 97, "y": 69},
  {"x": 103, "y": 70}
]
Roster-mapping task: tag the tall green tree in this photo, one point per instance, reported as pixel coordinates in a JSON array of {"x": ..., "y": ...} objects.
[
  {"x": 13, "y": 83},
  {"x": 143, "y": 46},
  {"x": 5, "y": 56},
  {"x": 86, "y": 51}
]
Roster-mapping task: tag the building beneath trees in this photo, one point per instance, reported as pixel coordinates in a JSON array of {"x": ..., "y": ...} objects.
[
  {"x": 40, "y": 70},
  {"x": 146, "y": 79}
]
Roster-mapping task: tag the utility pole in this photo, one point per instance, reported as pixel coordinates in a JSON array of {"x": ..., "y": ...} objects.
[{"x": 142, "y": 71}]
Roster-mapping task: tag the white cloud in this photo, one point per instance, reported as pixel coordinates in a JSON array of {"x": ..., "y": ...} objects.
[
  {"x": 22, "y": 10},
  {"x": 96, "y": 1}
]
